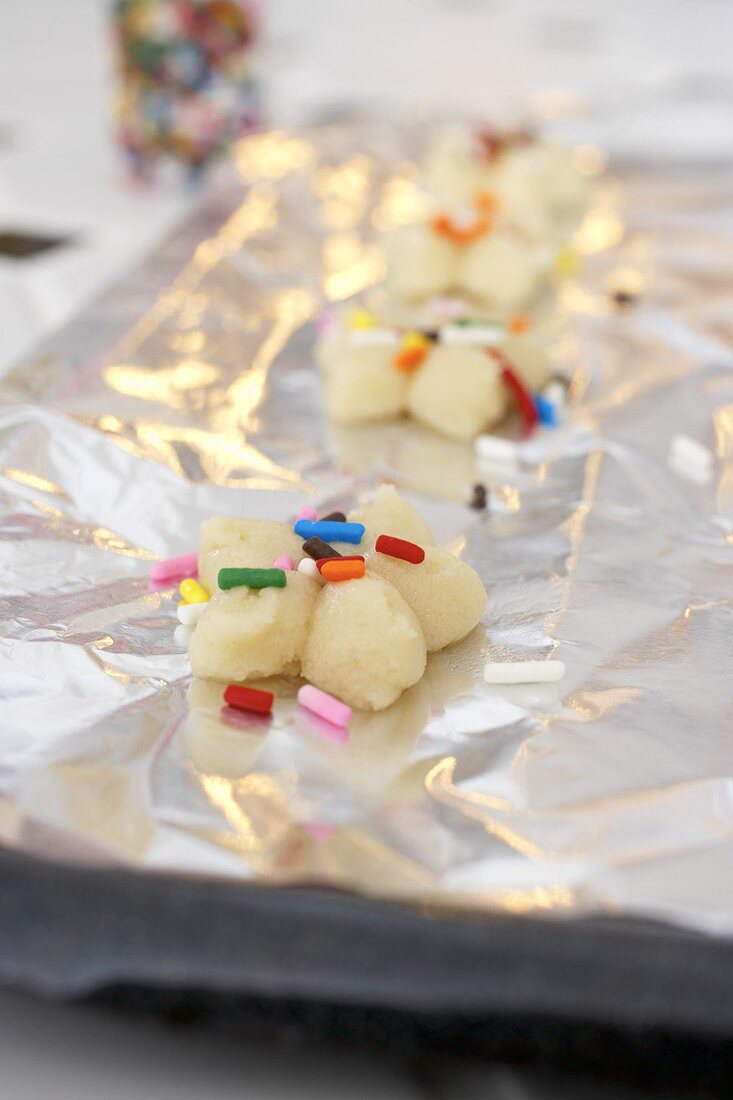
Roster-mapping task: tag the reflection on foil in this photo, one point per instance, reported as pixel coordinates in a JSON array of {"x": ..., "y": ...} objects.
[{"x": 189, "y": 390}]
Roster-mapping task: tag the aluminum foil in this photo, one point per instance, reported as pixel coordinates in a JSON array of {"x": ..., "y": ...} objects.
[{"x": 190, "y": 390}]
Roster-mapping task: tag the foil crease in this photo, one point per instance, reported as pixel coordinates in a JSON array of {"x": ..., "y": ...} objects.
[{"x": 190, "y": 390}]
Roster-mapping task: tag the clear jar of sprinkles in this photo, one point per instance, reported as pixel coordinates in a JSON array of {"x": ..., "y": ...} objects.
[{"x": 186, "y": 85}]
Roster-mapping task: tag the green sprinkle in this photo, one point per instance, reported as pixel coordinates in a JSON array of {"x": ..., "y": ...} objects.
[{"x": 252, "y": 578}]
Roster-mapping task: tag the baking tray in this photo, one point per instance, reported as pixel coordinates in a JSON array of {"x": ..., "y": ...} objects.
[{"x": 434, "y": 970}]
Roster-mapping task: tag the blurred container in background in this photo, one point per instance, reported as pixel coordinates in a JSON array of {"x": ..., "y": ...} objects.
[{"x": 186, "y": 83}]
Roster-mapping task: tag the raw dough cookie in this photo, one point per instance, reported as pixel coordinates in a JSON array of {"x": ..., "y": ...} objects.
[
  {"x": 457, "y": 392},
  {"x": 245, "y": 634},
  {"x": 364, "y": 640},
  {"x": 243, "y": 544},
  {"x": 455, "y": 388},
  {"x": 445, "y": 593},
  {"x": 364, "y": 645}
]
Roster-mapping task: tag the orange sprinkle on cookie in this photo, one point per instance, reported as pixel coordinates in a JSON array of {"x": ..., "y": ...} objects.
[
  {"x": 487, "y": 202},
  {"x": 409, "y": 359},
  {"x": 520, "y": 323},
  {"x": 445, "y": 226},
  {"x": 343, "y": 569}
]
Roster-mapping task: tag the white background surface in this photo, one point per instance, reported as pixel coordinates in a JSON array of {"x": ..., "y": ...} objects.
[{"x": 58, "y": 173}]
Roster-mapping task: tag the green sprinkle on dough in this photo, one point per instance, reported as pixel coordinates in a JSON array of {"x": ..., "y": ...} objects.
[{"x": 252, "y": 578}]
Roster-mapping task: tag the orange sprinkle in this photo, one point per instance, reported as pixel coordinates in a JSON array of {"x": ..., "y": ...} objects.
[
  {"x": 461, "y": 234},
  {"x": 343, "y": 569},
  {"x": 409, "y": 358},
  {"x": 487, "y": 202},
  {"x": 520, "y": 323}
]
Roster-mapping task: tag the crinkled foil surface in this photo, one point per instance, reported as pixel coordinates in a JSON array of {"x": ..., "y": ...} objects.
[{"x": 189, "y": 390}]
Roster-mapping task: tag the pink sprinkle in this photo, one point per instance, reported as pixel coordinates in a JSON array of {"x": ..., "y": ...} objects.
[
  {"x": 283, "y": 562},
  {"x": 307, "y": 512},
  {"x": 319, "y": 830},
  {"x": 326, "y": 322},
  {"x": 175, "y": 568},
  {"x": 450, "y": 308},
  {"x": 324, "y": 705}
]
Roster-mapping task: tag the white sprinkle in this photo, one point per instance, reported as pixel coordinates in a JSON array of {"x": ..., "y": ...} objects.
[
  {"x": 374, "y": 338},
  {"x": 478, "y": 335},
  {"x": 493, "y": 448},
  {"x": 190, "y": 613},
  {"x": 523, "y": 672},
  {"x": 182, "y": 636},
  {"x": 310, "y": 569},
  {"x": 556, "y": 393},
  {"x": 688, "y": 455}
]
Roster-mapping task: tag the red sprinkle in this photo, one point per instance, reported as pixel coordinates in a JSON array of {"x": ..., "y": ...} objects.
[
  {"x": 400, "y": 548},
  {"x": 244, "y": 698},
  {"x": 320, "y": 562},
  {"x": 522, "y": 396}
]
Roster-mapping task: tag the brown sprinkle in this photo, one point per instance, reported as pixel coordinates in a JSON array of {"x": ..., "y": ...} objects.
[{"x": 316, "y": 548}]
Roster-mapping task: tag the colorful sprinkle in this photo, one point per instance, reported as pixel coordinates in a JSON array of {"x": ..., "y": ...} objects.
[
  {"x": 324, "y": 705},
  {"x": 547, "y": 411},
  {"x": 309, "y": 568},
  {"x": 409, "y": 360},
  {"x": 182, "y": 635},
  {"x": 252, "y": 578},
  {"x": 245, "y": 698},
  {"x": 414, "y": 348},
  {"x": 316, "y": 548},
  {"x": 479, "y": 500},
  {"x": 519, "y": 324},
  {"x": 567, "y": 262},
  {"x": 522, "y": 396},
  {"x": 400, "y": 548},
  {"x": 494, "y": 448},
  {"x": 190, "y": 613},
  {"x": 461, "y": 232},
  {"x": 341, "y": 569},
  {"x": 320, "y": 562},
  {"x": 361, "y": 319},
  {"x": 193, "y": 592},
  {"x": 307, "y": 512},
  {"x": 329, "y": 530},
  {"x": 483, "y": 335},
  {"x": 334, "y": 517},
  {"x": 284, "y": 562},
  {"x": 175, "y": 568}
]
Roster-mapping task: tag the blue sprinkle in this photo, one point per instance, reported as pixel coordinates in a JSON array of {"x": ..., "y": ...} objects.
[
  {"x": 546, "y": 411},
  {"x": 330, "y": 530}
]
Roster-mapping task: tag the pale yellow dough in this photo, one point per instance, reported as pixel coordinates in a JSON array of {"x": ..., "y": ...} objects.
[
  {"x": 363, "y": 384},
  {"x": 245, "y": 633},
  {"x": 445, "y": 593},
  {"x": 243, "y": 544},
  {"x": 364, "y": 645},
  {"x": 457, "y": 392}
]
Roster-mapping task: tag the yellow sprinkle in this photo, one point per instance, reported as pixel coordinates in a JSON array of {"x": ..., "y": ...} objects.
[
  {"x": 192, "y": 591},
  {"x": 360, "y": 319},
  {"x": 414, "y": 340},
  {"x": 567, "y": 262}
]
